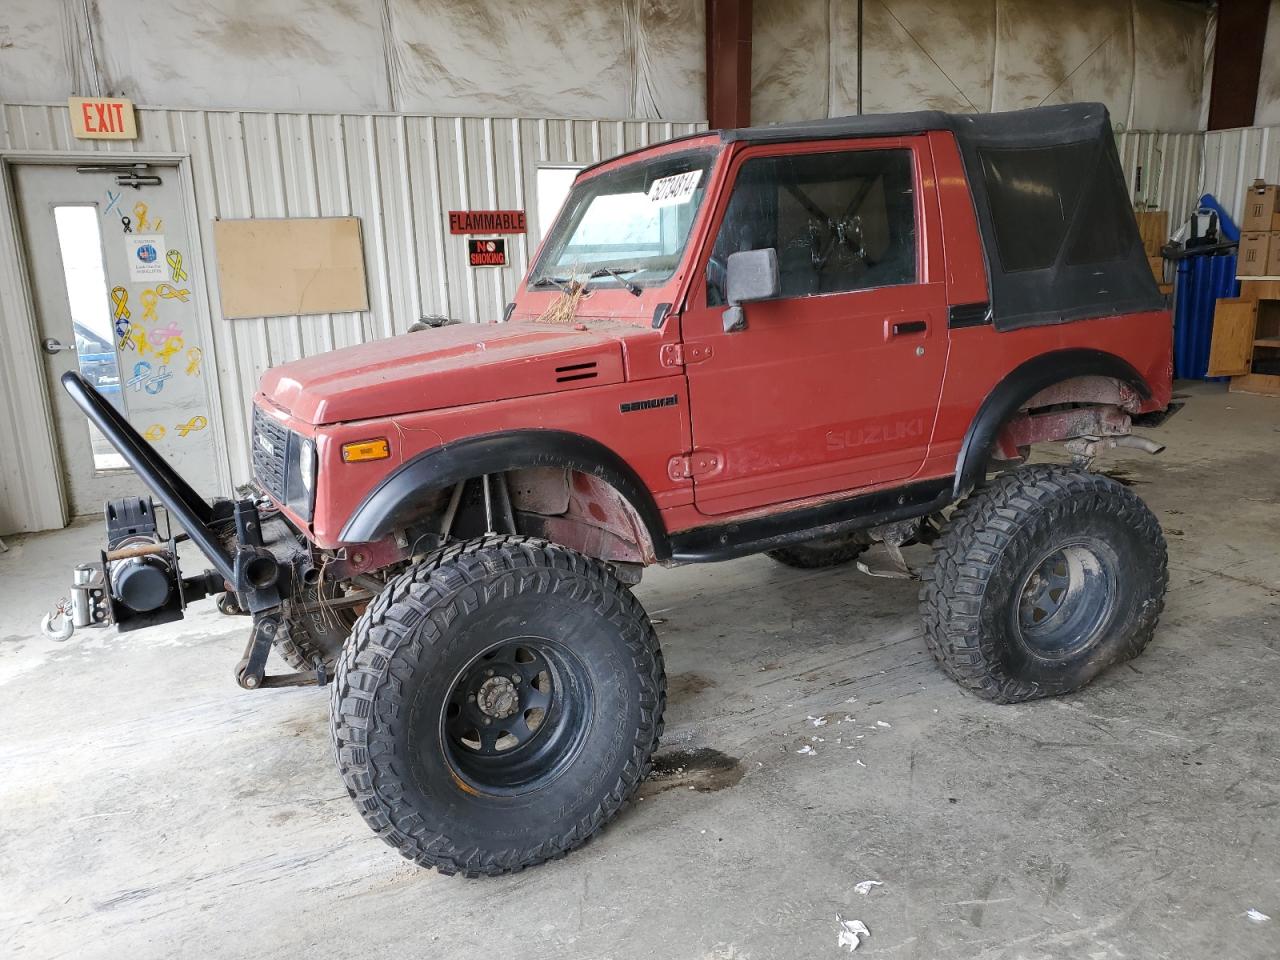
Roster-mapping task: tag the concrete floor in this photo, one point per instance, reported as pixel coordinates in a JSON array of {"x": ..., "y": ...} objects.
[{"x": 153, "y": 809}]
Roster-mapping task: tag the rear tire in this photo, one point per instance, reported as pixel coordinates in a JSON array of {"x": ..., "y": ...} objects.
[
  {"x": 1040, "y": 581},
  {"x": 826, "y": 552},
  {"x": 497, "y": 705}
]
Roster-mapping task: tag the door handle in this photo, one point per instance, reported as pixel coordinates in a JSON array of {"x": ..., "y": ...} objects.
[
  {"x": 52, "y": 346},
  {"x": 910, "y": 326}
]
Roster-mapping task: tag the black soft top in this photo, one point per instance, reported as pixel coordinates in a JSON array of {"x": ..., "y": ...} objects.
[{"x": 1057, "y": 226}]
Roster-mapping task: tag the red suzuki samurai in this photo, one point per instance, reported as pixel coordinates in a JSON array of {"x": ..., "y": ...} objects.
[{"x": 798, "y": 340}]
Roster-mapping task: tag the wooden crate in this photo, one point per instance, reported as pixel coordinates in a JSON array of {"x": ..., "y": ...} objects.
[{"x": 1153, "y": 227}]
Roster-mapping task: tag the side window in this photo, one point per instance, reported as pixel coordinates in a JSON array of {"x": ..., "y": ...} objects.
[{"x": 839, "y": 221}]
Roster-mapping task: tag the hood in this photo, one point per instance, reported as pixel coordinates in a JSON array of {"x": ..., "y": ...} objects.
[{"x": 445, "y": 367}]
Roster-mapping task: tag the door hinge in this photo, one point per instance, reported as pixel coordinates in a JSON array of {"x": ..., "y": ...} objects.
[
  {"x": 700, "y": 463},
  {"x": 682, "y": 354}
]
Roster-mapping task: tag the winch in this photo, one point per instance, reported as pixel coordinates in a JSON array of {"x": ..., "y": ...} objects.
[{"x": 137, "y": 583}]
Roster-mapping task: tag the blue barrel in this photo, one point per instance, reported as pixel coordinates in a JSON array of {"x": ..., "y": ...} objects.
[{"x": 1200, "y": 282}]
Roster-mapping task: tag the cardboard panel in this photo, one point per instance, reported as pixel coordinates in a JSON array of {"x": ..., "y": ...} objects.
[{"x": 280, "y": 268}]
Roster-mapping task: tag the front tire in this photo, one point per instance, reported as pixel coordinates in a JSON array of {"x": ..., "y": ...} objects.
[
  {"x": 1040, "y": 581},
  {"x": 497, "y": 705}
]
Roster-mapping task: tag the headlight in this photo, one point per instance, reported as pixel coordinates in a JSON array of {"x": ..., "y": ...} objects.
[
  {"x": 307, "y": 465},
  {"x": 300, "y": 476}
]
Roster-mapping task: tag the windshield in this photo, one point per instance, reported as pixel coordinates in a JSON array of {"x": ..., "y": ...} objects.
[{"x": 633, "y": 221}]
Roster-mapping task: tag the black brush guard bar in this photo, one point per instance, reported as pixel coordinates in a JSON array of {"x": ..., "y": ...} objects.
[
  {"x": 247, "y": 566},
  {"x": 194, "y": 514}
]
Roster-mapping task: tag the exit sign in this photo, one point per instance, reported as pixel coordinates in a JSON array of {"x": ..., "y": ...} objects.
[{"x": 103, "y": 118}]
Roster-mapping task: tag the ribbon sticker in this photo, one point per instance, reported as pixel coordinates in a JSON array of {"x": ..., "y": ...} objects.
[
  {"x": 156, "y": 383},
  {"x": 173, "y": 346},
  {"x": 195, "y": 423},
  {"x": 122, "y": 327},
  {"x": 141, "y": 371},
  {"x": 162, "y": 334},
  {"x": 176, "y": 273},
  {"x": 149, "y": 299},
  {"x": 169, "y": 293},
  {"x": 144, "y": 379},
  {"x": 114, "y": 198},
  {"x": 155, "y": 432},
  {"x": 194, "y": 356},
  {"x": 120, "y": 297},
  {"x": 128, "y": 340},
  {"x": 125, "y": 222},
  {"x": 140, "y": 211}
]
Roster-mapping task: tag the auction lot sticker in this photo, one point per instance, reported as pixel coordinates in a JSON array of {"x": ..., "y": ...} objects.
[{"x": 670, "y": 191}]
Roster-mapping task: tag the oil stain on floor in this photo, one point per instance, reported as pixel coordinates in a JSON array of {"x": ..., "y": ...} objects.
[{"x": 704, "y": 770}]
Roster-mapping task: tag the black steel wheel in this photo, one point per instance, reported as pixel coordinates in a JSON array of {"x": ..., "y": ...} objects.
[
  {"x": 516, "y": 715},
  {"x": 497, "y": 704},
  {"x": 1067, "y": 599},
  {"x": 1041, "y": 580}
]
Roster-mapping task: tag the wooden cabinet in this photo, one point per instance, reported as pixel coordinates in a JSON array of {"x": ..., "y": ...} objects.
[
  {"x": 1234, "y": 324},
  {"x": 1246, "y": 339}
]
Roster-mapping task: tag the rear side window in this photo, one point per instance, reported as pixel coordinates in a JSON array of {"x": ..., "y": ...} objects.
[
  {"x": 1037, "y": 194},
  {"x": 839, "y": 221}
]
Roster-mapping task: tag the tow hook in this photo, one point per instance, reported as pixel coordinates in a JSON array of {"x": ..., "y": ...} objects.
[
  {"x": 61, "y": 633},
  {"x": 86, "y": 606}
]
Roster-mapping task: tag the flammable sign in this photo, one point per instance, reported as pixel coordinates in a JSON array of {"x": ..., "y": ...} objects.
[{"x": 487, "y": 253}]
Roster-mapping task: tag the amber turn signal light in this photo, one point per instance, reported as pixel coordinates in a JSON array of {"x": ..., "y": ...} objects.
[{"x": 361, "y": 450}]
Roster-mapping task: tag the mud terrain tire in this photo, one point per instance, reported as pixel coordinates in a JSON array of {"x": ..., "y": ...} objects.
[
  {"x": 1040, "y": 581},
  {"x": 442, "y": 668},
  {"x": 304, "y": 636},
  {"x": 827, "y": 552}
]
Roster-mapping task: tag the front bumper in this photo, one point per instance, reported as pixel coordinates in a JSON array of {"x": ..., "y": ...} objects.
[{"x": 255, "y": 552}]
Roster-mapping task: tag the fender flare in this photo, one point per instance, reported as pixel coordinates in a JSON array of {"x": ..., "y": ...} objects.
[
  {"x": 1019, "y": 386},
  {"x": 392, "y": 503}
]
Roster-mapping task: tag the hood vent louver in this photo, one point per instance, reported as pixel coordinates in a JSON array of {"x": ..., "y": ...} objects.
[{"x": 576, "y": 371}]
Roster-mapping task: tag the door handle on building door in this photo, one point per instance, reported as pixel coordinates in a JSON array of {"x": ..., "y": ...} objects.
[{"x": 52, "y": 346}]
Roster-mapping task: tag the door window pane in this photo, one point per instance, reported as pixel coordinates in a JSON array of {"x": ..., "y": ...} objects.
[
  {"x": 92, "y": 330},
  {"x": 839, "y": 221}
]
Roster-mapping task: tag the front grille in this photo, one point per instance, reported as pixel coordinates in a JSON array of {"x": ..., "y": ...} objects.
[{"x": 270, "y": 445}]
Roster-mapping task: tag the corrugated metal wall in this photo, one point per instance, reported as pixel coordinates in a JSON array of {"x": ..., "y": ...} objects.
[
  {"x": 1233, "y": 159},
  {"x": 398, "y": 174},
  {"x": 1162, "y": 170}
]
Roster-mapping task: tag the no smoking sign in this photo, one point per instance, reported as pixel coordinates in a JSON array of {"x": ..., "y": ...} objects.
[{"x": 487, "y": 253}]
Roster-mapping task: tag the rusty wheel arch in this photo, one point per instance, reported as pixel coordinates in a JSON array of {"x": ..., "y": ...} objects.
[
  {"x": 606, "y": 499},
  {"x": 1078, "y": 390}
]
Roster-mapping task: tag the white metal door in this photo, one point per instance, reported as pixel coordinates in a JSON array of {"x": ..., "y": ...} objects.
[{"x": 109, "y": 267}]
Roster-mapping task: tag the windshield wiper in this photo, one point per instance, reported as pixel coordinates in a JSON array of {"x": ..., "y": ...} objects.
[
  {"x": 543, "y": 280},
  {"x": 631, "y": 286}
]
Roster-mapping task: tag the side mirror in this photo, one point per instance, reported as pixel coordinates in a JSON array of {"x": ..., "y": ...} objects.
[{"x": 749, "y": 275}]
